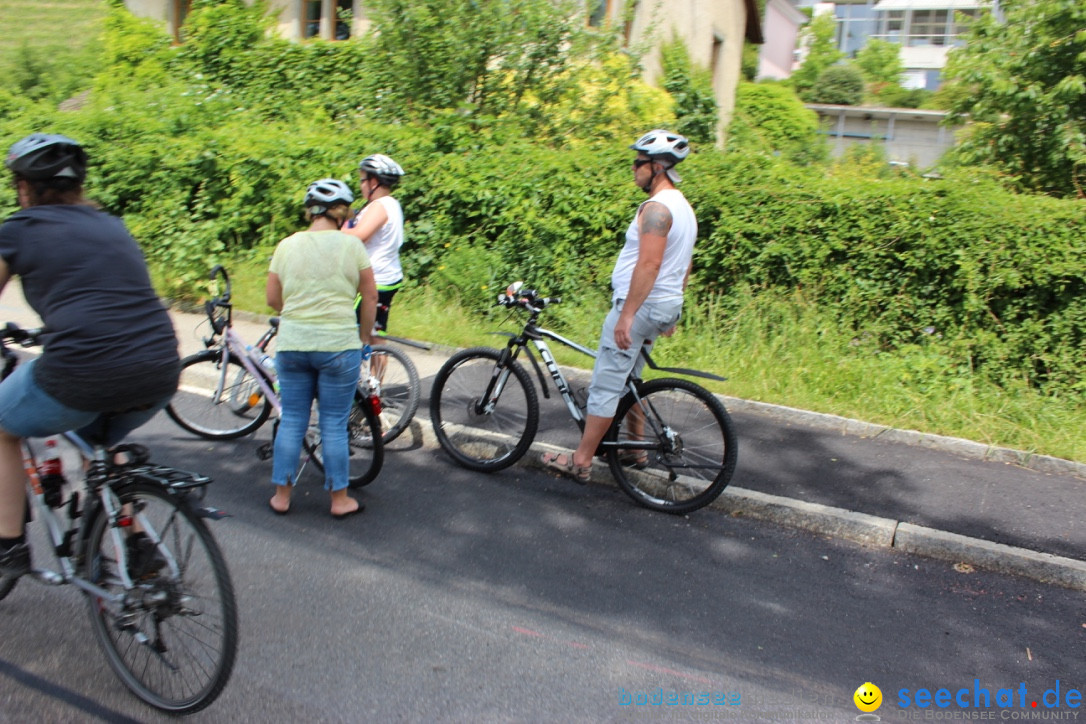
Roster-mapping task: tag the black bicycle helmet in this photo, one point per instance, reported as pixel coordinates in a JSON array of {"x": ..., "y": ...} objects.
[
  {"x": 44, "y": 156},
  {"x": 387, "y": 171}
]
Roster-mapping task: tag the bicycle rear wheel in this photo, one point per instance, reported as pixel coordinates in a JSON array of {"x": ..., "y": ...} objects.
[
  {"x": 199, "y": 407},
  {"x": 399, "y": 389},
  {"x": 493, "y": 438},
  {"x": 171, "y": 638},
  {"x": 676, "y": 449},
  {"x": 365, "y": 448}
]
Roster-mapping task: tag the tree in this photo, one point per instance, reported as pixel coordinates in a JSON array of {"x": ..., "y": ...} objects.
[
  {"x": 1026, "y": 77},
  {"x": 819, "y": 38},
  {"x": 880, "y": 61},
  {"x": 692, "y": 90},
  {"x": 480, "y": 57}
]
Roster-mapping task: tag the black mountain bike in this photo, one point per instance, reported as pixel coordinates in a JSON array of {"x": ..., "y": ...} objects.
[{"x": 672, "y": 446}]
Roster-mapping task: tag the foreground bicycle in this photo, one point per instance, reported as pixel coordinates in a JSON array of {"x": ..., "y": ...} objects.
[
  {"x": 132, "y": 538},
  {"x": 672, "y": 446},
  {"x": 230, "y": 389}
]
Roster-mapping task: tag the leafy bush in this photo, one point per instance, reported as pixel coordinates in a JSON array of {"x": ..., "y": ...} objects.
[
  {"x": 692, "y": 90},
  {"x": 958, "y": 274},
  {"x": 770, "y": 118},
  {"x": 839, "y": 84}
]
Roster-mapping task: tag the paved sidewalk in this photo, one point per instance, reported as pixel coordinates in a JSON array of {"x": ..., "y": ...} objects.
[{"x": 940, "y": 497}]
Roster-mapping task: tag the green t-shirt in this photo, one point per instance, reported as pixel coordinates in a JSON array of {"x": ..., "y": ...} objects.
[{"x": 319, "y": 272}]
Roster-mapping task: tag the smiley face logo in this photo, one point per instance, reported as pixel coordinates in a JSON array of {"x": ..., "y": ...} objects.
[{"x": 868, "y": 697}]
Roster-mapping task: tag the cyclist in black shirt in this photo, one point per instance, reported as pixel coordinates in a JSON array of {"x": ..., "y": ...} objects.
[{"x": 108, "y": 344}]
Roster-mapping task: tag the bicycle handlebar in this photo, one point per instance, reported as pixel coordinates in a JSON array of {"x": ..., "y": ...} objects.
[
  {"x": 516, "y": 296},
  {"x": 23, "y": 337},
  {"x": 221, "y": 301}
]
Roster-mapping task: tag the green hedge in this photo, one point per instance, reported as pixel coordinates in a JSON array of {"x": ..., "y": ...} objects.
[{"x": 994, "y": 281}]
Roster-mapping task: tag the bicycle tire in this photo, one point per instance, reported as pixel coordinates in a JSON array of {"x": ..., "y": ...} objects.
[
  {"x": 185, "y": 607},
  {"x": 366, "y": 450},
  {"x": 400, "y": 390},
  {"x": 691, "y": 456},
  {"x": 490, "y": 441},
  {"x": 195, "y": 409}
]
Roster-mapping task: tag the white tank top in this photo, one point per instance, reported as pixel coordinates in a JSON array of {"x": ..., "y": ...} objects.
[
  {"x": 384, "y": 246},
  {"x": 677, "y": 253}
]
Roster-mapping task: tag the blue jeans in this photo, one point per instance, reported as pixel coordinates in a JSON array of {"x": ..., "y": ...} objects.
[
  {"x": 26, "y": 410},
  {"x": 303, "y": 377}
]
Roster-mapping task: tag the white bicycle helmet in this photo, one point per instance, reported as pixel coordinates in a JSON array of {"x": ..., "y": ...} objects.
[
  {"x": 387, "y": 171},
  {"x": 663, "y": 145},
  {"x": 44, "y": 156},
  {"x": 326, "y": 193}
]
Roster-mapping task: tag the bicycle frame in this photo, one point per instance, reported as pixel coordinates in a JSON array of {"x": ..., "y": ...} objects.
[
  {"x": 67, "y": 541},
  {"x": 265, "y": 378},
  {"x": 537, "y": 337}
]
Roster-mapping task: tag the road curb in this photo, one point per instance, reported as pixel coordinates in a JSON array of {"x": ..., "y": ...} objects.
[
  {"x": 1043, "y": 567},
  {"x": 868, "y": 530},
  {"x": 952, "y": 445}
]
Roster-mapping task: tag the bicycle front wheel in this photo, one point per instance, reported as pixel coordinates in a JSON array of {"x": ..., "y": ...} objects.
[
  {"x": 484, "y": 416},
  {"x": 365, "y": 447},
  {"x": 172, "y": 637},
  {"x": 399, "y": 389},
  {"x": 676, "y": 446},
  {"x": 217, "y": 403}
]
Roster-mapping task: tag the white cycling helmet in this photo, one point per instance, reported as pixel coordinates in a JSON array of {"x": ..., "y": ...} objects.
[
  {"x": 326, "y": 193},
  {"x": 661, "y": 145},
  {"x": 387, "y": 171}
]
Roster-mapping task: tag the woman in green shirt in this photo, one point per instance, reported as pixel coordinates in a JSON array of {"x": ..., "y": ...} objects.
[{"x": 314, "y": 278}]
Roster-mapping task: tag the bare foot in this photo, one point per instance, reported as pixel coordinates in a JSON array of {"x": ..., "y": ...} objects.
[
  {"x": 344, "y": 505},
  {"x": 280, "y": 502}
]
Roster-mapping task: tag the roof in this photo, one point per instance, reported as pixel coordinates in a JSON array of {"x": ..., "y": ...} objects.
[
  {"x": 929, "y": 4},
  {"x": 870, "y": 112}
]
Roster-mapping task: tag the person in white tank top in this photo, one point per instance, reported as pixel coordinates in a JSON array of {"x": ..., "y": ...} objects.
[
  {"x": 379, "y": 225},
  {"x": 649, "y": 279}
]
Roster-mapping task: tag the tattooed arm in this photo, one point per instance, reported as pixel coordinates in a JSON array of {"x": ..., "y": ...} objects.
[{"x": 653, "y": 223}]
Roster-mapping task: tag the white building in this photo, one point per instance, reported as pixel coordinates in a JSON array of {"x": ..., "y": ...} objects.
[
  {"x": 713, "y": 30},
  {"x": 925, "y": 29}
]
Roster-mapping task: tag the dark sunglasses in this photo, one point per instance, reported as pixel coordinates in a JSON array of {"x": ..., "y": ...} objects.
[{"x": 639, "y": 162}]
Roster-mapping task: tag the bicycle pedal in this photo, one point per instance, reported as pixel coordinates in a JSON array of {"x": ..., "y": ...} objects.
[{"x": 265, "y": 451}]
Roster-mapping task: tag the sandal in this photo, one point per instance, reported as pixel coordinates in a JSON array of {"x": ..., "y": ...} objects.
[{"x": 563, "y": 463}]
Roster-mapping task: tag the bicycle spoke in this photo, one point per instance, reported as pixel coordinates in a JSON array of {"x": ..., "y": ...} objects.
[{"x": 691, "y": 447}]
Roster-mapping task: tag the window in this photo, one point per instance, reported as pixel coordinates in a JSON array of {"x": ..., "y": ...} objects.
[
  {"x": 332, "y": 14},
  {"x": 929, "y": 27},
  {"x": 855, "y": 22},
  {"x": 311, "y": 20},
  {"x": 598, "y": 10}
]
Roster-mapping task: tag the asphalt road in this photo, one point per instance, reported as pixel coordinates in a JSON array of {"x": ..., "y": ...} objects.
[{"x": 523, "y": 597}]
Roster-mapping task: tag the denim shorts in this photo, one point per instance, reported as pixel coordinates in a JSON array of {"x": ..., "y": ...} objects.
[
  {"x": 26, "y": 410},
  {"x": 614, "y": 365}
]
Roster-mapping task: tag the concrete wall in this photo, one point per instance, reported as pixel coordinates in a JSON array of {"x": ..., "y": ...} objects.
[{"x": 909, "y": 136}]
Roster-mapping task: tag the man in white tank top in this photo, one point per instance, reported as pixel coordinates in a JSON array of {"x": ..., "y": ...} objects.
[{"x": 649, "y": 278}]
